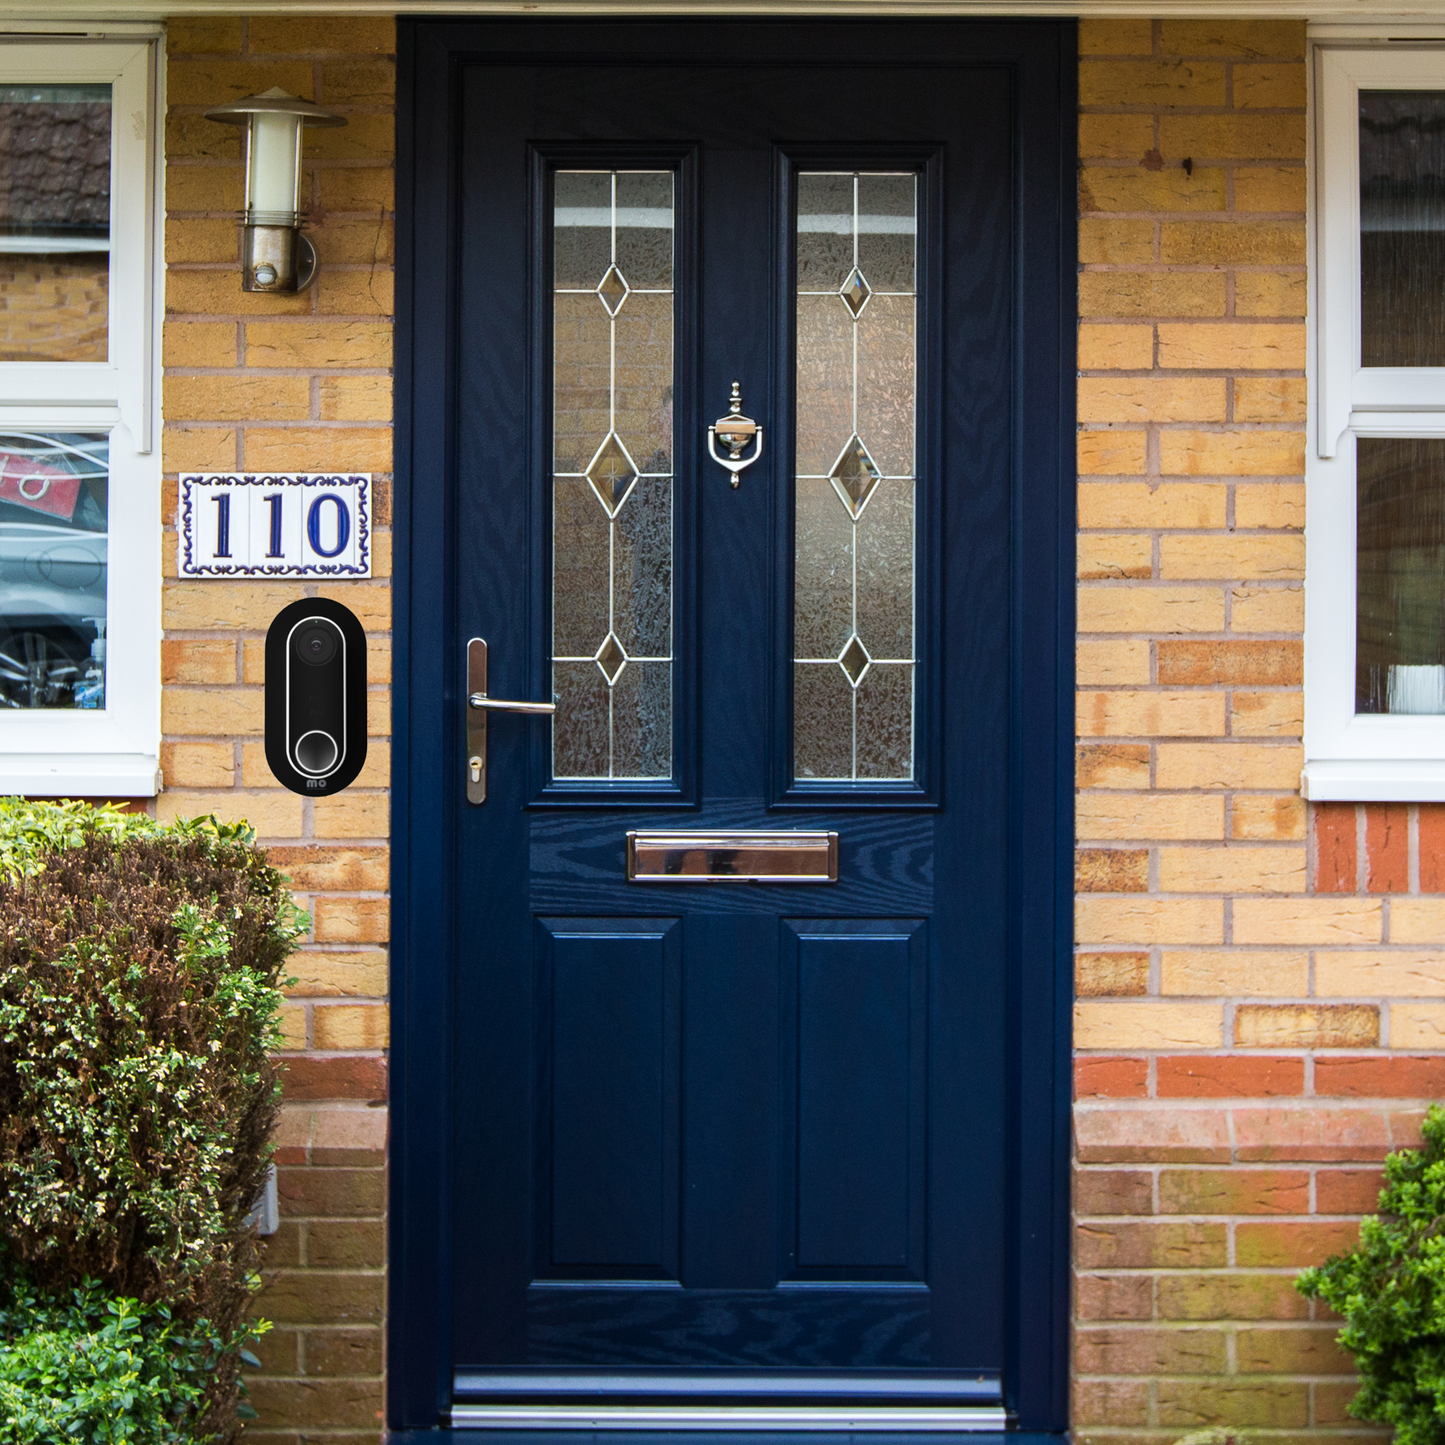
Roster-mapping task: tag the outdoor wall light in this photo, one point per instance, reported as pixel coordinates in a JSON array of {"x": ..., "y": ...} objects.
[{"x": 275, "y": 256}]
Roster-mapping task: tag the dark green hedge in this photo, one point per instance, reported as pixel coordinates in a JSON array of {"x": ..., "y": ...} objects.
[
  {"x": 1391, "y": 1292},
  {"x": 140, "y": 968}
]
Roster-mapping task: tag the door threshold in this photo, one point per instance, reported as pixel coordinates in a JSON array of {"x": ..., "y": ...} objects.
[{"x": 900, "y": 1420}]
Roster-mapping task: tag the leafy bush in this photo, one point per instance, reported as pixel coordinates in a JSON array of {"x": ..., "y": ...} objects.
[
  {"x": 100, "y": 1371},
  {"x": 139, "y": 973},
  {"x": 1391, "y": 1292}
]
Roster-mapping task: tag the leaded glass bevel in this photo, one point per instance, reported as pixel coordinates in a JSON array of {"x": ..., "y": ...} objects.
[
  {"x": 853, "y": 578},
  {"x": 612, "y": 559}
]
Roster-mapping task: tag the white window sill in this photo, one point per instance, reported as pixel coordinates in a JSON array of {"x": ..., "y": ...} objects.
[
  {"x": 1374, "y": 780},
  {"x": 66, "y": 775}
]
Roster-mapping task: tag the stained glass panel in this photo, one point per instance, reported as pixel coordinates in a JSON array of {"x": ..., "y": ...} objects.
[
  {"x": 612, "y": 560},
  {"x": 853, "y": 671}
]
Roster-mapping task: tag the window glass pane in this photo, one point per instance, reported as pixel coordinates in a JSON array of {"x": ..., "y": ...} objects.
[
  {"x": 54, "y": 501},
  {"x": 54, "y": 222},
  {"x": 612, "y": 392},
  {"x": 1400, "y": 598},
  {"x": 1402, "y": 227},
  {"x": 853, "y": 668}
]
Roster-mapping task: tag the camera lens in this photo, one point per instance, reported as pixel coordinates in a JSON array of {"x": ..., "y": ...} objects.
[{"x": 315, "y": 642}]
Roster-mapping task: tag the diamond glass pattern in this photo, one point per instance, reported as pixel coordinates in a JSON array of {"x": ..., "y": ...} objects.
[
  {"x": 611, "y": 658},
  {"x": 854, "y": 660},
  {"x": 853, "y": 567},
  {"x": 612, "y": 475},
  {"x": 856, "y": 292},
  {"x": 613, "y": 381},
  {"x": 854, "y": 476},
  {"x": 613, "y": 290}
]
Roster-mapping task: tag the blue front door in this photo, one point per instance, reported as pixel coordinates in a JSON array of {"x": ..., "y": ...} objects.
[{"x": 737, "y": 988}]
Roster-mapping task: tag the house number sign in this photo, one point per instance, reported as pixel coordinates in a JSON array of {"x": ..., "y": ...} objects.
[{"x": 274, "y": 524}]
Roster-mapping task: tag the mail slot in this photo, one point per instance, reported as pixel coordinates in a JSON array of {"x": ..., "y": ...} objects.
[{"x": 732, "y": 857}]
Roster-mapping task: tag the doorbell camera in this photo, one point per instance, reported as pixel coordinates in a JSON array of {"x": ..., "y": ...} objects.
[{"x": 315, "y": 697}]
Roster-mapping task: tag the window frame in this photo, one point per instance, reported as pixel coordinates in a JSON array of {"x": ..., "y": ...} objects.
[
  {"x": 1353, "y": 756},
  {"x": 115, "y": 751}
]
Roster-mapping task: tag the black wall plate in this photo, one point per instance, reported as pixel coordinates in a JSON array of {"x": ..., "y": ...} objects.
[{"x": 315, "y": 697}]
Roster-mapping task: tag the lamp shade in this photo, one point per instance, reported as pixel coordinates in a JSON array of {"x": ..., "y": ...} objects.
[{"x": 273, "y": 122}]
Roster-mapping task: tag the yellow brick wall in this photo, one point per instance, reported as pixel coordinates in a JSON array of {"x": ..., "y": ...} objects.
[
  {"x": 293, "y": 384},
  {"x": 1250, "y": 1030},
  {"x": 1256, "y": 1024}
]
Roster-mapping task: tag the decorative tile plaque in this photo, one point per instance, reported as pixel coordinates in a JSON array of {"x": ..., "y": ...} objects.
[{"x": 274, "y": 524}]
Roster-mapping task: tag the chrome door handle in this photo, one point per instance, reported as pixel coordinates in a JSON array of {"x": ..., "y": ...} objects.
[
  {"x": 496, "y": 704},
  {"x": 475, "y": 723},
  {"x": 737, "y": 431}
]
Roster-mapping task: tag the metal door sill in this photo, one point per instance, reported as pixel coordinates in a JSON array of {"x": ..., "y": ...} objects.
[{"x": 728, "y": 1417}]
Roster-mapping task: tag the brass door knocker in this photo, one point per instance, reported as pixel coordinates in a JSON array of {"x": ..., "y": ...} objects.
[{"x": 737, "y": 431}]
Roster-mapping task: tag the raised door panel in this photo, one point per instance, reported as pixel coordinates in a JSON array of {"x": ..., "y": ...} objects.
[
  {"x": 608, "y": 1098},
  {"x": 854, "y": 1080}
]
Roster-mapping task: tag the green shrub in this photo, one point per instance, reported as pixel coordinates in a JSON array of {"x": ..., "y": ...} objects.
[
  {"x": 139, "y": 973},
  {"x": 95, "y": 1370},
  {"x": 1391, "y": 1292}
]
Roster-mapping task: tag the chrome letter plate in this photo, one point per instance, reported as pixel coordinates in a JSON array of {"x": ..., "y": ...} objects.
[{"x": 732, "y": 857}]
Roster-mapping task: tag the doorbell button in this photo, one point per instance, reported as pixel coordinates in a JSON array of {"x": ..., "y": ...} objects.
[
  {"x": 316, "y": 752},
  {"x": 315, "y": 697}
]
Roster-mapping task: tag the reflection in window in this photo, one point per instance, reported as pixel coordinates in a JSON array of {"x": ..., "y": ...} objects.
[
  {"x": 1402, "y": 227},
  {"x": 54, "y": 501},
  {"x": 857, "y": 399},
  {"x": 54, "y": 222},
  {"x": 1400, "y": 601}
]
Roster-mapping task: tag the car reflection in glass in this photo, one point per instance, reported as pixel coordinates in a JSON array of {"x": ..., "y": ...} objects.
[{"x": 53, "y": 555}]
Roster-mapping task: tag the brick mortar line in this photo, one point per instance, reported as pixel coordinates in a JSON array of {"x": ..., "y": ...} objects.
[
  {"x": 234, "y": 165},
  {"x": 1156, "y": 584},
  {"x": 291, "y": 1055},
  {"x": 1163, "y": 267},
  {"x": 333, "y": 1270},
  {"x": 188, "y": 110},
  {"x": 1196, "y": 58},
  {"x": 1193, "y": 636},
  {"x": 1100, "y": 1324},
  {"x": 1376, "y": 1107},
  {"x": 1193, "y": 1216},
  {"x": 345, "y": 318},
  {"x": 324, "y": 370},
  {"x": 1282, "y": 740},
  {"x": 1112, "y": 529},
  {"x": 1227, "y": 1170},
  {"x": 332, "y": 213},
  {"x": 1194, "y": 268},
  {"x": 1129, "y": 425},
  {"x": 197, "y": 268},
  {"x": 312, "y": 167},
  {"x": 1162, "y": 110},
  {"x": 1183, "y": 1271}
]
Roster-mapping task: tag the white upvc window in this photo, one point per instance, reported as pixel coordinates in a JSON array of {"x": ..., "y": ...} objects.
[
  {"x": 80, "y": 493},
  {"x": 1375, "y": 524}
]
